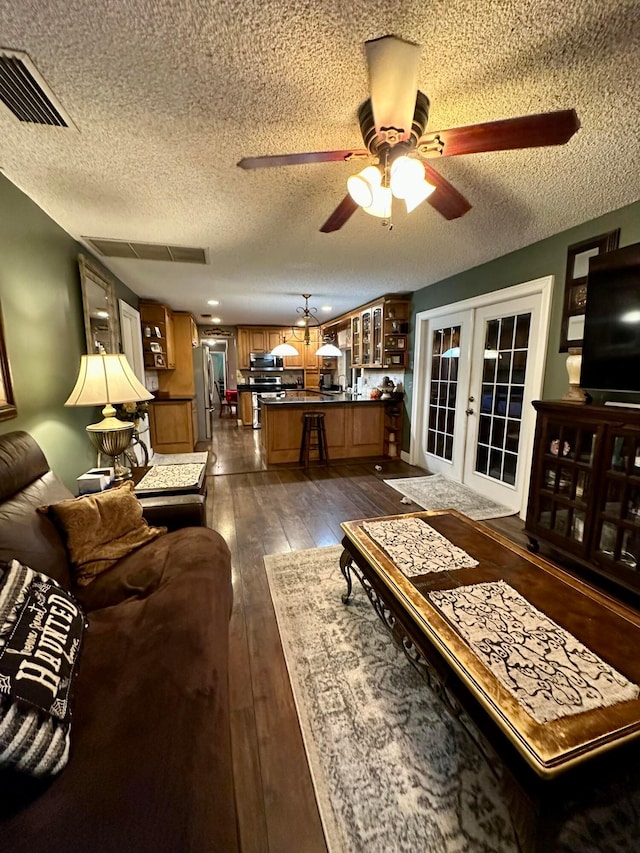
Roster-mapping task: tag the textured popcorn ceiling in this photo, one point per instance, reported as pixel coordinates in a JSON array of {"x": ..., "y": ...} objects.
[{"x": 167, "y": 96}]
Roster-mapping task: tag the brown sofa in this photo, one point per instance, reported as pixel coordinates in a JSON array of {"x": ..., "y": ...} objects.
[{"x": 150, "y": 764}]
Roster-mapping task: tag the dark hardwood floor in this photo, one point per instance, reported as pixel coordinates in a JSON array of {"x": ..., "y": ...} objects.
[{"x": 265, "y": 511}]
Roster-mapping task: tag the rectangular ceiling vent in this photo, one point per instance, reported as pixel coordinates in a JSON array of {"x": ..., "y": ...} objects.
[
  {"x": 146, "y": 251},
  {"x": 25, "y": 93}
]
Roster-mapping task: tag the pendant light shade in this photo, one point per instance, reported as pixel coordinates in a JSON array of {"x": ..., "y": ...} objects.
[
  {"x": 329, "y": 350},
  {"x": 284, "y": 349},
  {"x": 406, "y": 172}
]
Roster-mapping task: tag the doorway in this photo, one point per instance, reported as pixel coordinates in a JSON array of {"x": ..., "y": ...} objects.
[{"x": 478, "y": 366}]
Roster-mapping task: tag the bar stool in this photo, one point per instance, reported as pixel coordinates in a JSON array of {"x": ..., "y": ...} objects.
[{"x": 314, "y": 437}]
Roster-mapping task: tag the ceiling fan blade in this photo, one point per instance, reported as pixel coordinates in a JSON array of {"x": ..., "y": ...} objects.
[
  {"x": 446, "y": 199},
  {"x": 300, "y": 159},
  {"x": 393, "y": 84},
  {"x": 555, "y": 128},
  {"x": 340, "y": 215}
]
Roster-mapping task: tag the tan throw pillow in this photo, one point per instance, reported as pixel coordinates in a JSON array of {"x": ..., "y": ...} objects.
[{"x": 100, "y": 529}]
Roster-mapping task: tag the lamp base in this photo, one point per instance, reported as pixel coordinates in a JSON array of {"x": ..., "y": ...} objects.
[{"x": 112, "y": 443}]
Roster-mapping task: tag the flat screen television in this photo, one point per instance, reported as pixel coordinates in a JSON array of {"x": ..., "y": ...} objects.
[{"x": 611, "y": 343}]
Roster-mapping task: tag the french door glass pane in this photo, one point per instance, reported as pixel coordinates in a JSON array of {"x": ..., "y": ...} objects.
[
  {"x": 503, "y": 376},
  {"x": 443, "y": 393}
]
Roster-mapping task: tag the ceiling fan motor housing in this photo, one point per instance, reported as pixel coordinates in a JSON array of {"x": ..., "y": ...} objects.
[{"x": 393, "y": 136}]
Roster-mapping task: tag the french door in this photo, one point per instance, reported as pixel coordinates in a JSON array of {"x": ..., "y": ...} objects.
[{"x": 479, "y": 366}]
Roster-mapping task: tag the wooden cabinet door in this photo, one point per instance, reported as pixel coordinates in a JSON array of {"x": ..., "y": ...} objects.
[
  {"x": 257, "y": 340},
  {"x": 376, "y": 336},
  {"x": 246, "y": 408},
  {"x": 180, "y": 382},
  {"x": 356, "y": 341},
  {"x": 171, "y": 425},
  {"x": 310, "y": 357},
  {"x": 273, "y": 338},
  {"x": 243, "y": 349},
  {"x": 294, "y": 361}
]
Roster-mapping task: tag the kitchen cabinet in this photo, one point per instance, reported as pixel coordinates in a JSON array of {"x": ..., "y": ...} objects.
[
  {"x": 157, "y": 336},
  {"x": 259, "y": 339},
  {"x": 367, "y": 337},
  {"x": 295, "y": 362},
  {"x": 395, "y": 334},
  {"x": 173, "y": 425},
  {"x": 584, "y": 498},
  {"x": 180, "y": 382}
]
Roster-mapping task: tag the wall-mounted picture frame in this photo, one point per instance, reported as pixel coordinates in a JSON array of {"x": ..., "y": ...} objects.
[
  {"x": 575, "y": 285},
  {"x": 101, "y": 320},
  {"x": 8, "y": 408}
]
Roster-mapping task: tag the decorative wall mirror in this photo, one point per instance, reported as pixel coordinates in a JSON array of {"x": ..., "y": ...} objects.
[
  {"x": 7, "y": 403},
  {"x": 101, "y": 323}
]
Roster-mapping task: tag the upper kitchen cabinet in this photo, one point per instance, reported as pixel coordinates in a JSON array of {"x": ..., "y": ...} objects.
[
  {"x": 395, "y": 333},
  {"x": 157, "y": 336},
  {"x": 366, "y": 337},
  {"x": 180, "y": 382},
  {"x": 256, "y": 339}
]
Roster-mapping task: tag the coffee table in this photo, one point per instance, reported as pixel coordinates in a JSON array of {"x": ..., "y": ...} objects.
[{"x": 540, "y": 766}]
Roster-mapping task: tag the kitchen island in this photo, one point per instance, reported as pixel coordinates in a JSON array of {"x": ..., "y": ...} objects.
[{"x": 355, "y": 426}]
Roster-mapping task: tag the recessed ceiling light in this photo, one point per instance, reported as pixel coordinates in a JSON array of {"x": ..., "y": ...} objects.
[
  {"x": 327, "y": 308},
  {"x": 212, "y": 302},
  {"x": 216, "y": 320}
]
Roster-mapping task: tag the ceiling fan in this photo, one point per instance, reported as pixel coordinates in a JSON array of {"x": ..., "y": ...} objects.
[{"x": 393, "y": 122}]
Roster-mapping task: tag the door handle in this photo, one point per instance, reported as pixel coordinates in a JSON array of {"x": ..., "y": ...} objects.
[{"x": 469, "y": 412}]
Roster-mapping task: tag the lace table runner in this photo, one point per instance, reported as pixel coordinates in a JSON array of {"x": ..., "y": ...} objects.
[
  {"x": 181, "y": 476},
  {"x": 416, "y": 548},
  {"x": 544, "y": 667}
]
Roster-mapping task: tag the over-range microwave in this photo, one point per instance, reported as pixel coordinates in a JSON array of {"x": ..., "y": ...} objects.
[{"x": 265, "y": 361}]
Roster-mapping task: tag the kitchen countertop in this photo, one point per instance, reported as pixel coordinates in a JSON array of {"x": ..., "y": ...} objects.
[{"x": 318, "y": 399}]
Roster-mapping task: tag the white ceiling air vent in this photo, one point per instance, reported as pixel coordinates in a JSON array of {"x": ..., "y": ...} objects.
[
  {"x": 146, "y": 251},
  {"x": 24, "y": 91}
]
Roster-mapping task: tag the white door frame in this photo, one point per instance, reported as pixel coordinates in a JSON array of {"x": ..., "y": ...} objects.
[{"x": 542, "y": 286}]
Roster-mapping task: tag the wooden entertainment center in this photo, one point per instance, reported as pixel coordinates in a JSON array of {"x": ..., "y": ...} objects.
[{"x": 584, "y": 498}]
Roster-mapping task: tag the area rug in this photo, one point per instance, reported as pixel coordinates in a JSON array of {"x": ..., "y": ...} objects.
[
  {"x": 439, "y": 492},
  {"x": 392, "y": 770}
]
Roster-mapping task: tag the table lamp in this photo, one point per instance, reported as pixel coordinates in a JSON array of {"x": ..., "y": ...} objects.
[{"x": 108, "y": 379}]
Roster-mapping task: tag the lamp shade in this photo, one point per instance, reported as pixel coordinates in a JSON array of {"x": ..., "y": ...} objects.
[
  {"x": 106, "y": 379},
  {"x": 406, "y": 172}
]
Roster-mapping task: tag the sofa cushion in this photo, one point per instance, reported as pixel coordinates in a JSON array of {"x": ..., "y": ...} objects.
[
  {"x": 100, "y": 529},
  {"x": 41, "y": 628}
]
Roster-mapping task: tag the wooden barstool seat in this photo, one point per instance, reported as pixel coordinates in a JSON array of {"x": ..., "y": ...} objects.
[{"x": 314, "y": 437}]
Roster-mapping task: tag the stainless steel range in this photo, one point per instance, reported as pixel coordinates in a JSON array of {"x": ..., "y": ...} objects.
[{"x": 267, "y": 387}]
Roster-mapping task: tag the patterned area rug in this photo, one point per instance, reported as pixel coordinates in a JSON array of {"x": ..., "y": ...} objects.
[
  {"x": 392, "y": 770},
  {"x": 439, "y": 492}
]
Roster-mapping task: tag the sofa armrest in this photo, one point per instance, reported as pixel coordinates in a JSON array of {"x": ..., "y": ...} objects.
[{"x": 175, "y": 511}]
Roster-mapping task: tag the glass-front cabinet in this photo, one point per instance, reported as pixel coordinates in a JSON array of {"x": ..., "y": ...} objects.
[
  {"x": 585, "y": 487},
  {"x": 356, "y": 353}
]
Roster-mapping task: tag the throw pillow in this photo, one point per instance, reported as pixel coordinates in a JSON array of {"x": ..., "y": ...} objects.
[
  {"x": 41, "y": 628},
  {"x": 100, "y": 529}
]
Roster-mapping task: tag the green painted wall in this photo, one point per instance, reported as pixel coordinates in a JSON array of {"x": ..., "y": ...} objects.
[
  {"x": 44, "y": 330},
  {"x": 547, "y": 257}
]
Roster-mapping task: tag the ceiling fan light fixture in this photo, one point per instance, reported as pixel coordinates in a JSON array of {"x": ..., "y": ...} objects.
[
  {"x": 362, "y": 186},
  {"x": 418, "y": 194},
  {"x": 381, "y": 204},
  {"x": 406, "y": 173}
]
